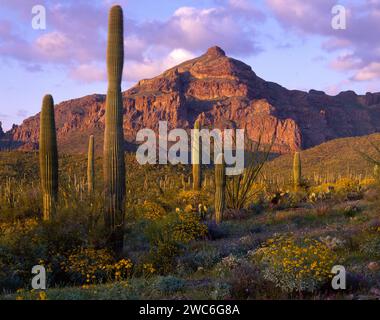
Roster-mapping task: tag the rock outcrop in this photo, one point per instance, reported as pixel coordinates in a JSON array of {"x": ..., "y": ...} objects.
[{"x": 216, "y": 89}]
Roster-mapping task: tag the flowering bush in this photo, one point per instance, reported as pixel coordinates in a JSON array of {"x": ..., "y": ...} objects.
[
  {"x": 88, "y": 266},
  {"x": 153, "y": 211},
  {"x": 294, "y": 265},
  {"x": 196, "y": 200},
  {"x": 122, "y": 269},
  {"x": 189, "y": 227},
  {"x": 168, "y": 235}
]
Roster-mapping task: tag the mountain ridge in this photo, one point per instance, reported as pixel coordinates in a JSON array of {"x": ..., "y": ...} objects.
[{"x": 220, "y": 91}]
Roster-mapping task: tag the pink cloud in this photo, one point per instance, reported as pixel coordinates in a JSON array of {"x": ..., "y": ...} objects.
[
  {"x": 346, "y": 62},
  {"x": 314, "y": 18},
  {"x": 76, "y": 36},
  {"x": 369, "y": 72},
  {"x": 88, "y": 73}
]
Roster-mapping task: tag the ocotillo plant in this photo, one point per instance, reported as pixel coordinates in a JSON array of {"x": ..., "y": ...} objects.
[
  {"x": 196, "y": 157},
  {"x": 113, "y": 160},
  {"x": 90, "y": 166},
  {"x": 297, "y": 175},
  {"x": 220, "y": 185},
  {"x": 48, "y": 158}
]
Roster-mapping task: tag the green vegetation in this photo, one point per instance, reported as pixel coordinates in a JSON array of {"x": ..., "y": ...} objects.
[
  {"x": 114, "y": 166},
  {"x": 197, "y": 158},
  {"x": 48, "y": 158},
  {"x": 297, "y": 176},
  {"x": 220, "y": 185},
  {"x": 90, "y": 166},
  {"x": 147, "y": 233},
  {"x": 172, "y": 248}
]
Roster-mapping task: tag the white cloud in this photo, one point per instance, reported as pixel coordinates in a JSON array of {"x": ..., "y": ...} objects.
[{"x": 135, "y": 71}]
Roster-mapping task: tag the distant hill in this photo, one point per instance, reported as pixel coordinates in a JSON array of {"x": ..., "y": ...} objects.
[
  {"x": 332, "y": 158},
  {"x": 218, "y": 90}
]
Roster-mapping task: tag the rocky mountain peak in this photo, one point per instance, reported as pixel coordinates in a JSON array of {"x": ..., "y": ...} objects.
[
  {"x": 218, "y": 90},
  {"x": 215, "y": 52}
]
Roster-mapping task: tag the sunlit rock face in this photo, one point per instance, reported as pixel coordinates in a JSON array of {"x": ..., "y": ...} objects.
[{"x": 216, "y": 89}]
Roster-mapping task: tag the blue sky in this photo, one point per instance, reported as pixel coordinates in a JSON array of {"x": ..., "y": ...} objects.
[{"x": 290, "y": 42}]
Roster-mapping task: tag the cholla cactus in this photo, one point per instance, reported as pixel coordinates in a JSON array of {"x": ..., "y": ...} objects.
[
  {"x": 297, "y": 175},
  {"x": 196, "y": 157},
  {"x": 48, "y": 154},
  {"x": 220, "y": 185},
  {"x": 90, "y": 166},
  {"x": 113, "y": 160}
]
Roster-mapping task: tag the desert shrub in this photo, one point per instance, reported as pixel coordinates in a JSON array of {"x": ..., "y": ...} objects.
[
  {"x": 351, "y": 211},
  {"x": 192, "y": 197},
  {"x": 193, "y": 201},
  {"x": 87, "y": 265},
  {"x": 332, "y": 243},
  {"x": 226, "y": 265},
  {"x": 370, "y": 246},
  {"x": 167, "y": 236},
  {"x": 286, "y": 199},
  {"x": 152, "y": 210},
  {"x": 217, "y": 231},
  {"x": 198, "y": 258},
  {"x": 168, "y": 284},
  {"x": 246, "y": 281},
  {"x": 189, "y": 227},
  {"x": 345, "y": 185},
  {"x": 221, "y": 291},
  {"x": 25, "y": 243},
  {"x": 84, "y": 266},
  {"x": 18, "y": 251},
  {"x": 322, "y": 208},
  {"x": 295, "y": 265}
]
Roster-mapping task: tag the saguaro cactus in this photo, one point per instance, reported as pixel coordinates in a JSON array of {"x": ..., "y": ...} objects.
[
  {"x": 220, "y": 185},
  {"x": 90, "y": 166},
  {"x": 48, "y": 154},
  {"x": 297, "y": 175},
  {"x": 196, "y": 158},
  {"x": 113, "y": 160}
]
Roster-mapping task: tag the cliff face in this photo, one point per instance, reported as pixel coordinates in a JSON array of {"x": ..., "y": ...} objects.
[{"x": 218, "y": 90}]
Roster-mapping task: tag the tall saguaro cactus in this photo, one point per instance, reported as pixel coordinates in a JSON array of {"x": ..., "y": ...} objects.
[
  {"x": 113, "y": 160},
  {"x": 48, "y": 154},
  {"x": 220, "y": 185},
  {"x": 90, "y": 166},
  {"x": 196, "y": 157},
  {"x": 297, "y": 174}
]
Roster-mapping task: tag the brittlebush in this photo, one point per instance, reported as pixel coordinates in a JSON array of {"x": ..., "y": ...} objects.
[{"x": 296, "y": 265}]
